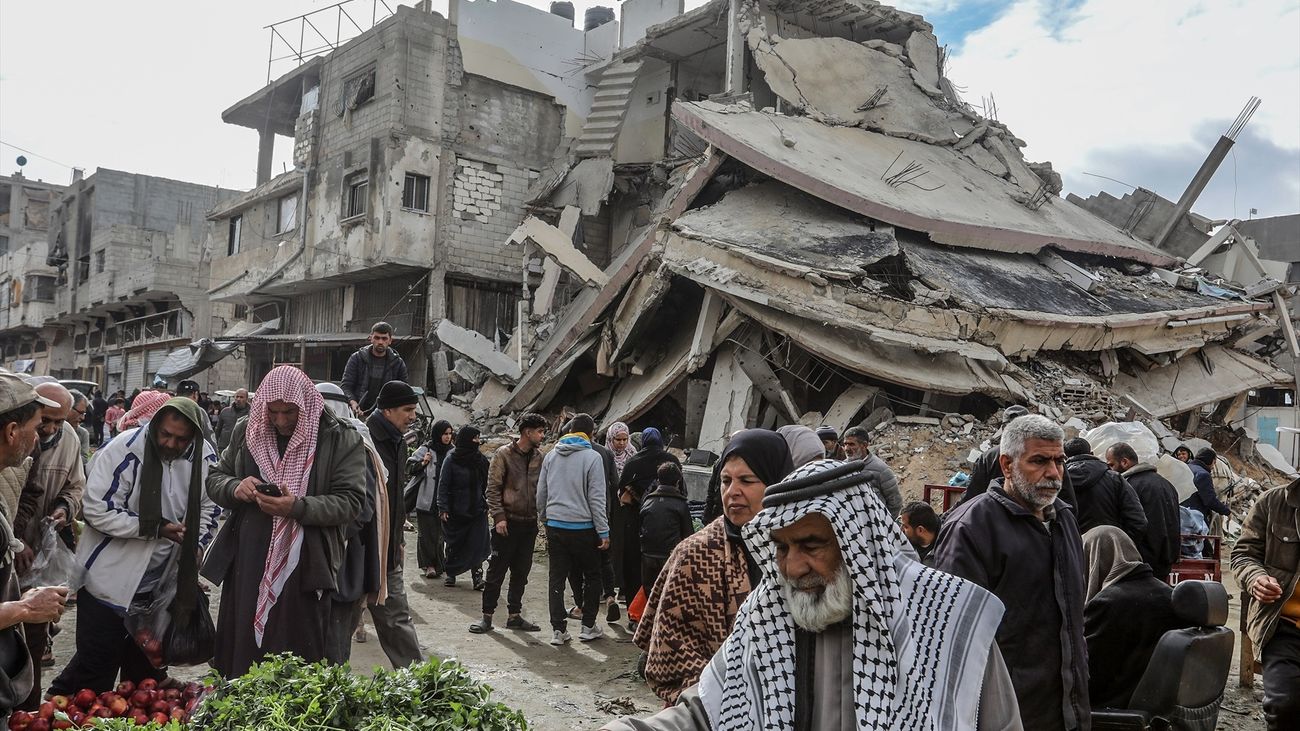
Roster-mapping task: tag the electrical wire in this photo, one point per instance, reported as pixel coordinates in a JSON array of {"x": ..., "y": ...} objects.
[{"x": 35, "y": 154}]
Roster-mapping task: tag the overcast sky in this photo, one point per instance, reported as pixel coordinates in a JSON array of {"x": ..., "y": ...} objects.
[{"x": 1135, "y": 91}]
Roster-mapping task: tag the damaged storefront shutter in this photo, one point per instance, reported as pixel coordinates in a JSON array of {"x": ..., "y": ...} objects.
[
  {"x": 134, "y": 371},
  {"x": 154, "y": 360},
  {"x": 113, "y": 372}
]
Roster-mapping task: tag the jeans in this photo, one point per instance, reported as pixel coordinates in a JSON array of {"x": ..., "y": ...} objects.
[
  {"x": 573, "y": 550},
  {"x": 1281, "y": 658},
  {"x": 512, "y": 552},
  {"x": 104, "y": 648}
]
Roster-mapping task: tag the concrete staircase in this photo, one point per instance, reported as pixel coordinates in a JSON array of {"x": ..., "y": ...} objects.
[{"x": 613, "y": 94}]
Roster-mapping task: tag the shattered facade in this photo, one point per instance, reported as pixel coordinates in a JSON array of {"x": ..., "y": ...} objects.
[
  {"x": 131, "y": 273},
  {"x": 27, "y": 283},
  {"x": 818, "y": 229}
]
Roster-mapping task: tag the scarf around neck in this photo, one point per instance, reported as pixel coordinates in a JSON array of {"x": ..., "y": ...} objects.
[
  {"x": 151, "y": 489},
  {"x": 910, "y": 671},
  {"x": 466, "y": 450},
  {"x": 291, "y": 471}
]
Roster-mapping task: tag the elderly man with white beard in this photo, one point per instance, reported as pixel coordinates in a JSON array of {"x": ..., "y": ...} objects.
[
  {"x": 846, "y": 630},
  {"x": 1021, "y": 542}
]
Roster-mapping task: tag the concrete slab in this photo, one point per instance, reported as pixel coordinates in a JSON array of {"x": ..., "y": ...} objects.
[
  {"x": 848, "y": 404},
  {"x": 852, "y": 168},
  {"x": 477, "y": 348},
  {"x": 553, "y": 241},
  {"x": 732, "y": 398}
]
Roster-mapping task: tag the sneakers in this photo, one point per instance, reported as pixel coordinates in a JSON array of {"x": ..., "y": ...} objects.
[
  {"x": 560, "y": 637},
  {"x": 482, "y": 627},
  {"x": 590, "y": 633},
  {"x": 449, "y": 581},
  {"x": 519, "y": 623},
  {"x": 612, "y": 614}
]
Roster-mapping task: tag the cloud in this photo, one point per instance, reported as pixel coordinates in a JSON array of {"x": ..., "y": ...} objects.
[
  {"x": 1101, "y": 85},
  {"x": 1256, "y": 174}
]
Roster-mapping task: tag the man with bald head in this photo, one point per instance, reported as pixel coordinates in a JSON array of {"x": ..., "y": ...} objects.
[{"x": 51, "y": 494}]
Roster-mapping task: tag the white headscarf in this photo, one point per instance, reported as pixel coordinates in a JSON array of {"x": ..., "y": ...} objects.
[
  {"x": 910, "y": 672},
  {"x": 336, "y": 402}
]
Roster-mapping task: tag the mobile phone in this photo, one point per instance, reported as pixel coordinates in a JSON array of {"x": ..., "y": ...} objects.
[{"x": 269, "y": 489}]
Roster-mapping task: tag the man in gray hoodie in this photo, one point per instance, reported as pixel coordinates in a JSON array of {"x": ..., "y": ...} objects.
[{"x": 571, "y": 500}]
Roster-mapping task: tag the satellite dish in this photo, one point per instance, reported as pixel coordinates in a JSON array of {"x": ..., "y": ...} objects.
[{"x": 22, "y": 160}]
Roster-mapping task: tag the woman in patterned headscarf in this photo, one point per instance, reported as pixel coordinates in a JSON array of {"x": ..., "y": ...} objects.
[
  {"x": 618, "y": 439},
  {"x": 278, "y": 557}
]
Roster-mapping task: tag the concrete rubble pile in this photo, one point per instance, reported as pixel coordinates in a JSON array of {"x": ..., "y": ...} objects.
[{"x": 841, "y": 240}]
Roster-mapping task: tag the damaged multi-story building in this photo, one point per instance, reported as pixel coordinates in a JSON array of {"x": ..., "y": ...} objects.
[
  {"x": 26, "y": 282},
  {"x": 128, "y": 284},
  {"x": 414, "y": 147},
  {"x": 807, "y": 223}
]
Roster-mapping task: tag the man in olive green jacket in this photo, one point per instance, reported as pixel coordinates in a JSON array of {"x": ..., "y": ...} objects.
[
  {"x": 293, "y": 477},
  {"x": 1266, "y": 561}
]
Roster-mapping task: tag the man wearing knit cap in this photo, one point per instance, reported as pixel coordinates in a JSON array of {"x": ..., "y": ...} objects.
[
  {"x": 571, "y": 501},
  {"x": 830, "y": 442},
  {"x": 394, "y": 411},
  {"x": 845, "y": 630}
]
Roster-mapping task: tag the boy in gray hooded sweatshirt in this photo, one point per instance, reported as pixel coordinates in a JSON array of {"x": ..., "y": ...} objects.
[{"x": 571, "y": 501}]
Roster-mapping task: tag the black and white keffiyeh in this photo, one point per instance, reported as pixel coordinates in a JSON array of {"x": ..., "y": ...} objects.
[{"x": 921, "y": 637}]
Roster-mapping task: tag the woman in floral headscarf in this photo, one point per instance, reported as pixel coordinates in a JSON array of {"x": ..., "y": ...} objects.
[{"x": 617, "y": 438}]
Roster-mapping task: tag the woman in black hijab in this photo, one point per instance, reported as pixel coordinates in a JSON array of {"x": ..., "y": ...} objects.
[
  {"x": 462, "y": 507},
  {"x": 638, "y": 475},
  {"x": 429, "y": 552},
  {"x": 693, "y": 604}
]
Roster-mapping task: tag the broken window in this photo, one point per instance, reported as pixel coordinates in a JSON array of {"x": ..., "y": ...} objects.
[
  {"x": 355, "y": 189},
  {"x": 483, "y": 306},
  {"x": 100, "y": 256},
  {"x": 39, "y": 288},
  {"x": 36, "y": 214},
  {"x": 358, "y": 90},
  {"x": 287, "y": 214},
  {"x": 415, "y": 193},
  {"x": 232, "y": 239}
]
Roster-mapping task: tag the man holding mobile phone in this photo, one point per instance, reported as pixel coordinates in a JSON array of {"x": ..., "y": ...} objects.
[{"x": 278, "y": 558}]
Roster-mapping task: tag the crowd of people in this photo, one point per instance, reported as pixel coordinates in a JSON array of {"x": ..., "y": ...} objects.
[{"x": 809, "y": 596}]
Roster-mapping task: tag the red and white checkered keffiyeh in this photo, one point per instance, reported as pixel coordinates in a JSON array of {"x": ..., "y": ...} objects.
[
  {"x": 290, "y": 472},
  {"x": 145, "y": 405}
]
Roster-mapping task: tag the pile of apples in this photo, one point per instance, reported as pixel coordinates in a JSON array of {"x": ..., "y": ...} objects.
[{"x": 142, "y": 704}]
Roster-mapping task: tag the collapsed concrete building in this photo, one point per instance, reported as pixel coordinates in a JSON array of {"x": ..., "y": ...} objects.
[{"x": 807, "y": 223}]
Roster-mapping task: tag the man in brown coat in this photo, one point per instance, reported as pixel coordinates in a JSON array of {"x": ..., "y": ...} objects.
[
  {"x": 512, "y": 503},
  {"x": 1266, "y": 561}
]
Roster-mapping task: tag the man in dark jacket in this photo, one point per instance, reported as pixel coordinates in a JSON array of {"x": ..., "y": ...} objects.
[
  {"x": 237, "y": 410},
  {"x": 394, "y": 412},
  {"x": 988, "y": 467},
  {"x": 1205, "y": 500},
  {"x": 371, "y": 367},
  {"x": 1022, "y": 543},
  {"x": 1159, "y": 543},
  {"x": 1104, "y": 498},
  {"x": 512, "y": 505}
]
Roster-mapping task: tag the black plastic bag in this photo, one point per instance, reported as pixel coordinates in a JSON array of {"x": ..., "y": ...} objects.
[{"x": 191, "y": 637}]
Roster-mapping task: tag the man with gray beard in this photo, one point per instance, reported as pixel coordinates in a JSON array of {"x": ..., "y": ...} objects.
[
  {"x": 845, "y": 629},
  {"x": 1021, "y": 542}
]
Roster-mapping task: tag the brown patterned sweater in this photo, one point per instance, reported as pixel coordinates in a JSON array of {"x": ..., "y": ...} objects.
[{"x": 691, "y": 609}]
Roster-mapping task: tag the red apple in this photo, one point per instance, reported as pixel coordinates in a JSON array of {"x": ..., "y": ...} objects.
[
  {"x": 85, "y": 698},
  {"x": 125, "y": 688},
  {"x": 119, "y": 706},
  {"x": 172, "y": 694},
  {"x": 46, "y": 710},
  {"x": 60, "y": 702},
  {"x": 179, "y": 714},
  {"x": 19, "y": 721},
  {"x": 141, "y": 698},
  {"x": 140, "y": 718},
  {"x": 160, "y": 718},
  {"x": 61, "y": 723},
  {"x": 148, "y": 684},
  {"x": 39, "y": 724}
]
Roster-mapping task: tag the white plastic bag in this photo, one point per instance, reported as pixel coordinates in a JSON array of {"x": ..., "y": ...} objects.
[
  {"x": 54, "y": 561},
  {"x": 1135, "y": 433},
  {"x": 1178, "y": 473}
]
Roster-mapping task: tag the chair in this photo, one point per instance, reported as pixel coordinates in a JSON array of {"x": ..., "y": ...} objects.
[
  {"x": 950, "y": 493},
  {"x": 1184, "y": 681},
  {"x": 1207, "y": 569}
]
